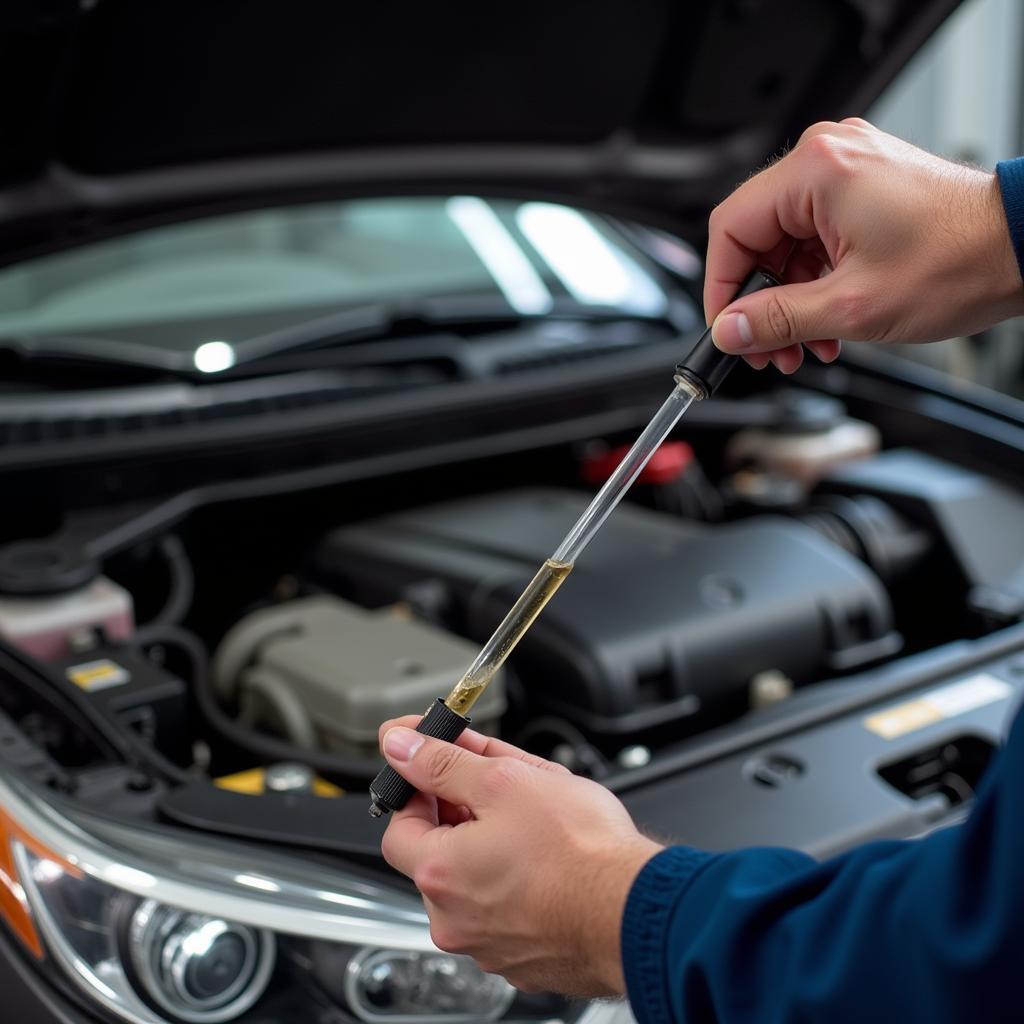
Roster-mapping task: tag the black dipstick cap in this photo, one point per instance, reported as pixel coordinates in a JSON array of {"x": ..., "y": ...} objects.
[
  {"x": 707, "y": 366},
  {"x": 389, "y": 791}
]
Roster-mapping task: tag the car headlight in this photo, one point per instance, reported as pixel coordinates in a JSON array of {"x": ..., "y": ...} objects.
[
  {"x": 157, "y": 926},
  {"x": 197, "y": 967}
]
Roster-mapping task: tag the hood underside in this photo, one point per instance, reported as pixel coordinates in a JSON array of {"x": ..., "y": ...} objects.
[{"x": 121, "y": 113}]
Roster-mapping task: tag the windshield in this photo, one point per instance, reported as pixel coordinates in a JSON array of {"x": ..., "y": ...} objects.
[{"x": 237, "y": 276}]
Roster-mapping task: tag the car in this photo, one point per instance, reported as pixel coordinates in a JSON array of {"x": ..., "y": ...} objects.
[{"x": 319, "y": 325}]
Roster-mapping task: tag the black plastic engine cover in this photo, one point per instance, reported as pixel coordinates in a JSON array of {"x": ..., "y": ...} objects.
[
  {"x": 978, "y": 522},
  {"x": 658, "y": 619}
]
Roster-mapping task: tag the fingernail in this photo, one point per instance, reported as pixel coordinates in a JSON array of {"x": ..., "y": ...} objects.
[
  {"x": 400, "y": 744},
  {"x": 731, "y": 332}
]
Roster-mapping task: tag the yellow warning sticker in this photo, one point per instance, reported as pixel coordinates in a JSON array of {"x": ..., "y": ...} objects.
[
  {"x": 251, "y": 782},
  {"x": 938, "y": 705},
  {"x": 98, "y": 675}
]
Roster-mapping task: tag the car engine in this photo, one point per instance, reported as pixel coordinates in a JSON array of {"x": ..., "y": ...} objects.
[{"x": 786, "y": 555}]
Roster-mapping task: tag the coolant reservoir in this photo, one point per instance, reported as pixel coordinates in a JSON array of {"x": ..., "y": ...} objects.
[
  {"x": 44, "y": 627},
  {"x": 812, "y": 436}
]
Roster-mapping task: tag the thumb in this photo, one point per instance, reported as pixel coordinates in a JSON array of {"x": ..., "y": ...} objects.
[
  {"x": 778, "y": 317},
  {"x": 433, "y": 766}
]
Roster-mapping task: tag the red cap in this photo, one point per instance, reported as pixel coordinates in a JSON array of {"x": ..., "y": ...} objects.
[{"x": 668, "y": 463}]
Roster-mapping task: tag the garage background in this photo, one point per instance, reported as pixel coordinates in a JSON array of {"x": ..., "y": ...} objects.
[{"x": 961, "y": 97}]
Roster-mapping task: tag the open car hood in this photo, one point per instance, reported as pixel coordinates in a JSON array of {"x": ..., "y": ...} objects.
[{"x": 120, "y": 113}]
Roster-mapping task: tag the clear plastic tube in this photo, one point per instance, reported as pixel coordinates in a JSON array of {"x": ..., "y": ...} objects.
[
  {"x": 492, "y": 656},
  {"x": 554, "y": 571},
  {"x": 616, "y": 486}
]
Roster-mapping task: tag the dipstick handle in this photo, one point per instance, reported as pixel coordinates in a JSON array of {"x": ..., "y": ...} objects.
[
  {"x": 707, "y": 366},
  {"x": 389, "y": 791}
]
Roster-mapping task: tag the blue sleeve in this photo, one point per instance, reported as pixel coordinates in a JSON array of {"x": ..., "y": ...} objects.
[
  {"x": 1011, "y": 187},
  {"x": 930, "y": 930}
]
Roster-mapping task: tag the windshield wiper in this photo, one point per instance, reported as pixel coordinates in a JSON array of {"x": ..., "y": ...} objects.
[
  {"x": 365, "y": 323},
  {"x": 74, "y": 351},
  {"x": 379, "y": 321},
  {"x": 97, "y": 353}
]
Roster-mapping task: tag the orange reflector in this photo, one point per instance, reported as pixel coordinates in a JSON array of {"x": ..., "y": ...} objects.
[{"x": 14, "y": 908}]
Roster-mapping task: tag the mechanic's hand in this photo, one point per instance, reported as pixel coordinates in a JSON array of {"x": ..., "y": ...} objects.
[
  {"x": 521, "y": 865},
  {"x": 875, "y": 239}
]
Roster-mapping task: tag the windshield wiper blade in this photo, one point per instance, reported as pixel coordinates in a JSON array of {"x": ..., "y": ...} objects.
[
  {"x": 364, "y": 323},
  {"x": 94, "y": 352},
  {"x": 357, "y": 323},
  {"x": 74, "y": 351},
  {"x": 377, "y": 321}
]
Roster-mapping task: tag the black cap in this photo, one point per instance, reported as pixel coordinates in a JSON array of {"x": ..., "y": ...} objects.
[{"x": 707, "y": 366}]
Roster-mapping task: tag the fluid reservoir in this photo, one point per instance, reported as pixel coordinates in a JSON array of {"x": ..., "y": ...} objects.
[
  {"x": 812, "y": 436},
  {"x": 45, "y": 626}
]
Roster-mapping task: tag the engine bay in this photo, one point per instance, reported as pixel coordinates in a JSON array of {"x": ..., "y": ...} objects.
[{"x": 258, "y": 645}]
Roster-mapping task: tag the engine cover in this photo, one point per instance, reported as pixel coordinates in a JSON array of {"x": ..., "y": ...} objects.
[{"x": 659, "y": 619}]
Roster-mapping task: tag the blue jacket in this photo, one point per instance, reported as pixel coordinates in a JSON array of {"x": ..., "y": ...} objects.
[{"x": 928, "y": 931}]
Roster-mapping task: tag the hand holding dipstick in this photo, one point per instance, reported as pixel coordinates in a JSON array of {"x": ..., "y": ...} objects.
[{"x": 697, "y": 377}]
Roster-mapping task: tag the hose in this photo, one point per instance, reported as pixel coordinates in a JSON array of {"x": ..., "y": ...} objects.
[
  {"x": 182, "y": 582},
  {"x": 587, "y": 755}
]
